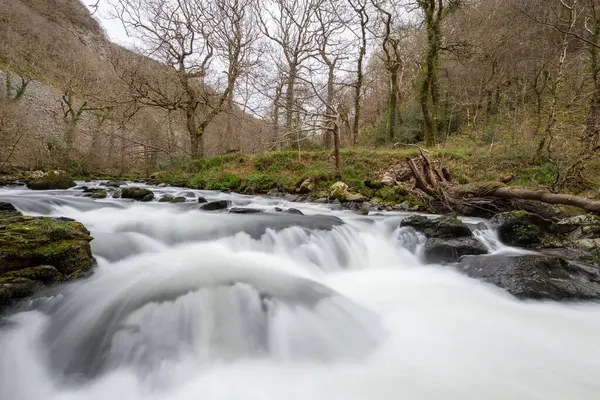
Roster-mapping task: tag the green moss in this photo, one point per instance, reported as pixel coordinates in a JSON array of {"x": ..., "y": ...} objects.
[
  {"x": 52, "y": 180},
  {"x": 257, "y": 183}
]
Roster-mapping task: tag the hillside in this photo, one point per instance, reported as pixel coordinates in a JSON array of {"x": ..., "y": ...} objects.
[{"x": 75, "y": 90}]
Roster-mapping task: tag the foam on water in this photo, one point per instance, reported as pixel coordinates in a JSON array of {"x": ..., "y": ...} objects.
[{"x": 186, "y": 305}]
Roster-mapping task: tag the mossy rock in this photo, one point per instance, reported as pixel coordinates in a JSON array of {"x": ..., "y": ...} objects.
[
  {"x": 165, "y": 199},
  {"x": 99, "y": 194},
  {"x": 52, "y": 180},
  {"x": 179, "y": 199},
  {"x": 39, "y": 251},
  {"x": 446, "y": 227},
  {"x": 137, "y": 193},
  {"x": 523, "y": 229}
]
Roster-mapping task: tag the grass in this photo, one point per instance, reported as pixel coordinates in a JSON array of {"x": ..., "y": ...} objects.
[{"x": 285, "y": 170}]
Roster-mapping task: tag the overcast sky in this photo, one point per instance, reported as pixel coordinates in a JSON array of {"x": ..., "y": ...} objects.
[{"x": 113, "y": 27}]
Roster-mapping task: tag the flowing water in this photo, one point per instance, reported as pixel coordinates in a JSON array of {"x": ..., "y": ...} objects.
[{"x": 186, "y": 304}]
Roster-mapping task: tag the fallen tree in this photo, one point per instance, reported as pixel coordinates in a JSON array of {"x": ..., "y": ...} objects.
[{"x": 434, "y": 184}]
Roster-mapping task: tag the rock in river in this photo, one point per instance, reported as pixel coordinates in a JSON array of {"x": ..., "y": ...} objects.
[
  {"x": 51, "y": 181},
  {"x": 39, "y": 251},
  {"x": 535, "y": 276},
  {"x": 215, "y": 205},
  {"x": 137, "y": 193}
]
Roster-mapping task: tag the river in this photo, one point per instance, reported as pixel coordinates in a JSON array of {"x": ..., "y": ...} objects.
[{"x": 186, "y": 304}]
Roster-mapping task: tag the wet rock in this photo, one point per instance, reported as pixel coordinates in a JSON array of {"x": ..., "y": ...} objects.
[
  {"x": 137, "y": 193},
  {"x": 294, "y": 211},
  {"x": 522, "y": 228},
  {"x": 202, "y": 200},
  {"x": 535, "y": 276},
  {"x": 114, "y": 183},
  {"x": 242, "y": 210},
  {"x": 580, "y": 227},
  {"x": 179, "y": 199},
  {"x": 307, "y": 186},
  {"x": 7, "y": 207},
  {"x": 99, "y": 194},
  {"x": 53, "y": 180},
  {"x": 278, "y": 209},
  {"x": 446, "y": 227},
  {"x": 322, "y": 200},
  {"x": 38, "y": 251},
  {"x": 451, "y": 250},
  {"x": 215, "y": 205},
  {"x": 166, "y": 199}
]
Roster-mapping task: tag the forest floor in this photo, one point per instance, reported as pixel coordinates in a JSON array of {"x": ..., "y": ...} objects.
[{"x": 284, "y": 171}]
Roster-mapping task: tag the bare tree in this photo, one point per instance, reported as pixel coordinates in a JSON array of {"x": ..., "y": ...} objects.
[
  {"x": 189, "y": 36},
  {"x": 290, "y": 24},
  {"x": 434, "y": 12},
  {"x": 360, "y": 9}
]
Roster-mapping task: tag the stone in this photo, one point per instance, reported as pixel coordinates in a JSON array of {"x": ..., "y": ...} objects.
[
  {"x": 451, "y": 250},
  {"x": 535, "y": 276},
  {"x": 307, "y": 186},
  {"x": 446, "y": 227},
  {"x": 114, "y": 183},
  {"x": 521, "y": 228},
  {"x": 99, "y": 194},
  {"x": 215, "y": 205},
  {"x": 137, "y": 193},
  {"x": 7, "y": 207},
  {"x": 242, "y": 210},
  {"x": 166, "y": 199},
  {"x": 178, "y": 199},
  {"x": 294, "y": 211},
  {"x": 322, "y": 200},
  {"x": 53, "y": 180},
  {"x": 338, "y": 190},
  {"x": 39, "y": 251},
  {"x": 278, "y": 209},
  {"x": 202, "y": 200},
  {"x": 355, "y": 198}
]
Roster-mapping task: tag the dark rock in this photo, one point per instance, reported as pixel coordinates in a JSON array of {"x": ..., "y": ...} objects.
[
  {"x": 446, "y": 227},
  {"x": 162, "y": 185},
  {"x": 116, "y": 194},
  {"x": 178, "y": 199},
  {"x": 522, "y": 228},
  {"x": 215, "y": 205},
  {"x": 278, "y": 209},
  {"x": 7, "y": 207},
  {"x": 115, "y": 184},
  {"x": 451, "y": 250},
  {"x": 137, "y": 193},
  {"x": 51, "y": 181},
  {"x": 294, "y": 211},
  {"x": 535, "y": 276},
  {"x": 63, "y": 219},
  {"x": 38, "y": 251},
  {"x": 166, "y": 199},
  {"x": 100, "y": 194},
  {"x": 242, "y": 210},
  {"x": 202, "y": 200}
]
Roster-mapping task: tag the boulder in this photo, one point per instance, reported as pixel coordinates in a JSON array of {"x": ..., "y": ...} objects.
[
  {"x": 39, "y": 251},
  {"x": 446, "y": 227},
  {"x": 242, "y": 210},
  {"x": 99, "y": 194},
  {"x": 338, "y": 190},
  {"x": 294, "y": 211},
  {"x": 166, "y": 199},
  {"x": 522, "y": 229},
  {"x": 451, "y": 250},
  {"x": 178, "y": 199},
  {"x": 580, "y": 227},
  {"x": 51, "y": 181},
  {"x": 137, "y": 193},
  {"x": 215, "y": 205},
  {"x": 202, "y": 200},
  {"x": 307, "y": 186},
  {"x": 114, "y": 183},
  {"x": 535, "y": 276}
]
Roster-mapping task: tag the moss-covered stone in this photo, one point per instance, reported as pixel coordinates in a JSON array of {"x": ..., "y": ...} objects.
[
  {"x": 99, "y": 194},
  {"x": 137, "y": 193},
  {"x": 523, "y": 229},
  {"x": 446, "y": 227},
  {"x": 179, "y": 199},
  {"x": 52, "y": 180},
  {"x": 38, "y": 251},
  {"x": 165, "y": 199}
]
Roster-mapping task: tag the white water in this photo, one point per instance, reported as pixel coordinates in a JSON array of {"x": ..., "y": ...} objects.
[{"x": 188, "y": 305}]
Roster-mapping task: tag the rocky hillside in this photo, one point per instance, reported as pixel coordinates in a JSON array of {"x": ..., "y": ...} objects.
[{"x": 59, "y": 55}]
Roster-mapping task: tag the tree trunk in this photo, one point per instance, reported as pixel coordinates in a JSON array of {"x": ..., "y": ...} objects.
[
  {"x": 193, "y": 132},
  {"x": 392, "y": 106},
  {"x": 276, "y": 107},
  {"x": 336, "y": 145},
  {"x": 328, "y": 133},
  {"x": 290, "y": 101},
  {"x": 359, "y": 83}
]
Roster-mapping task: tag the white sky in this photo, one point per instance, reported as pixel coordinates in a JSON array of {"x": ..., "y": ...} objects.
[{"x": 113, "y": 27}]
